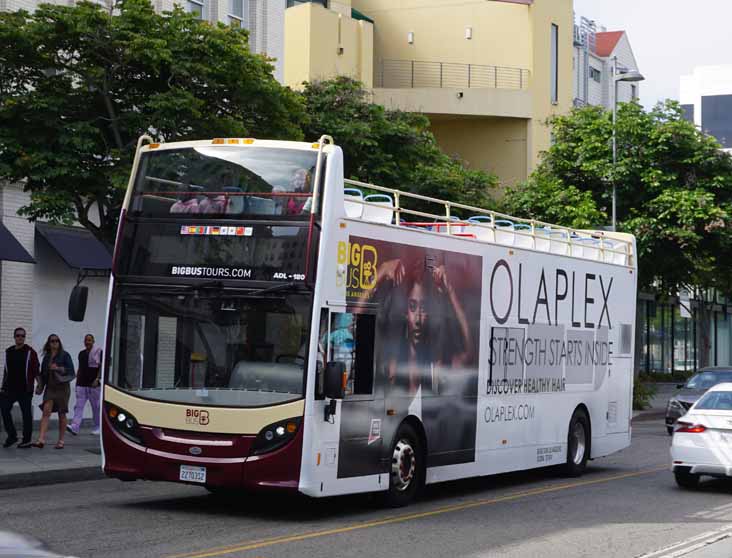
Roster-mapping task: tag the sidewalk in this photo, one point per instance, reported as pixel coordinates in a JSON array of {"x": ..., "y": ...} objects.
[
  {"x": 79, "y": 460},
  {"x": 657, "y": 409}
]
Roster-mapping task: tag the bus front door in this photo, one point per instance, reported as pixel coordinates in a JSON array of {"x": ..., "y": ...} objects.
[{"x": 351, "y": 340}]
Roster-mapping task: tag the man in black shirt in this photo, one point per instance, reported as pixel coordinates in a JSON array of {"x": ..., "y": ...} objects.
[{"x": 19, "y": 377}]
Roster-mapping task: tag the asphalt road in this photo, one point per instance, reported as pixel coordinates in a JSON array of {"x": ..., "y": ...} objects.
[{"x": 626, "y": 505}]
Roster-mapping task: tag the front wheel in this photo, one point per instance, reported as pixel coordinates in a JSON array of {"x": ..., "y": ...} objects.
[
  {"x": 406, "y": 473},
  {"x": 578, "y": 444}
]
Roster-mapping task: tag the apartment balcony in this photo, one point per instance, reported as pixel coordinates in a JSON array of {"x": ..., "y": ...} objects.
[
  {"x": 398, "y": 74},
  {"x": 453, "y": 89}
]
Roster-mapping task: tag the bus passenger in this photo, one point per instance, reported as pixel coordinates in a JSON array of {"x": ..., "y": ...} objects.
[{"x": 300, "y": 183}]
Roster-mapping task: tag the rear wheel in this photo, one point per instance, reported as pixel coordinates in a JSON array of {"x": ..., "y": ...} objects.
[
  {"x": 578, "y": 444},
  {"x": 685, "y": 479},
  {"x": 406, "y": 474}
]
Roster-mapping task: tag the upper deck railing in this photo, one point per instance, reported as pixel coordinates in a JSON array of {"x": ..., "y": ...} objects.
[
  {"x": 391, "y": 207},
  {"x": 401, "y": 74}
]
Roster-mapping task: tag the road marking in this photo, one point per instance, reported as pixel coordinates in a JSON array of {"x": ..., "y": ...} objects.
[
  {"x": 714, "y": 513},
  {"x": 680, "y": 548},
  {"x": 253, "y": 545}
]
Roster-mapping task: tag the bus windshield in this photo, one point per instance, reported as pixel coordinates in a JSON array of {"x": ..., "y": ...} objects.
[
  {"x": 209, "y": 348},
  {"x": 224, "y": 181}
]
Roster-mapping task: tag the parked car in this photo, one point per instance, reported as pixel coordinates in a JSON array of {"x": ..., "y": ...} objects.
[
  {"x": 702, "y": 442},
  {"x": 13, "y": 545},
  {"x": 692, "y": 390}
]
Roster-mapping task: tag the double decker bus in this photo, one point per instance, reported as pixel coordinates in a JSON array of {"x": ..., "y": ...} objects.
[{"x": 274, "y": 326}]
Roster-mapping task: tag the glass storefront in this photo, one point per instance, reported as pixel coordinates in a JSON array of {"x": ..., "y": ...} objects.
[{"x": 671, "y": 342}]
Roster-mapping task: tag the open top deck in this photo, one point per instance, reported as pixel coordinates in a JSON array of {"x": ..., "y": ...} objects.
[{"x": 389, "y": 206}]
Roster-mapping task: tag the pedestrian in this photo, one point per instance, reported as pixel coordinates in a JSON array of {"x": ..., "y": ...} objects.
[
  {"x": 57, "y": 371},
  {"x": 87, "y": 384},
  {"x": 19, "y": 377}
]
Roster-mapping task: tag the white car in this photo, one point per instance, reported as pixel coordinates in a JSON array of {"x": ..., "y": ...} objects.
[{"x": 702, "y": 442}]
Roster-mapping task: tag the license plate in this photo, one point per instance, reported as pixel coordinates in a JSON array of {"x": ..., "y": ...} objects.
[{"x": 192, "y": 474}]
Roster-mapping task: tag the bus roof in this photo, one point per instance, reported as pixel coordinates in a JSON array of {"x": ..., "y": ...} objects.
[{"x": 236, "y": 142}]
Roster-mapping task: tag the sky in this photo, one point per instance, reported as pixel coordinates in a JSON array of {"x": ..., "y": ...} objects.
[{"x": 669, "y": 37}]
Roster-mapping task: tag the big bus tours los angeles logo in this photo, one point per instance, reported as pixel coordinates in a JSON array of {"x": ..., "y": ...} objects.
[
  {"x": 356, "y": 268},
  {"x": 197, "y": 416}
]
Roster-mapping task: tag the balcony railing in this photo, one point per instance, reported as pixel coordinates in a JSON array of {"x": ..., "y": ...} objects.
[{"x": 405, "y": 74}]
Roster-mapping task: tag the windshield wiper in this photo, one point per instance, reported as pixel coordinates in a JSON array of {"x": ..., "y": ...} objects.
[
  {"x": 215, "y": 284},
  {"x": 283, "y": 287}
]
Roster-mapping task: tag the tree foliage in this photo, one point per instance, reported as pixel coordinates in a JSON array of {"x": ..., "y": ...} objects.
[
  {"x": 674, "y": 191},
  {"x": 79, "y": 86},
  {"x": 390, "y": 148},
  {"x": 545, "y": 198}
]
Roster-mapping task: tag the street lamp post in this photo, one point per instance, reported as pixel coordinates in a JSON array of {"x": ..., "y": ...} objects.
[{"x": 619, "y": 74}]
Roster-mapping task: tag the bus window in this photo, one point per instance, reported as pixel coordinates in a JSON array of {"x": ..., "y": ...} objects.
[{"x": 351, "y": 341}]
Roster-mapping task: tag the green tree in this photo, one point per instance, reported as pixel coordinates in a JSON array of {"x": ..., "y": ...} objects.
[
  {"x": 390, "y": 148},
  {"x": 674, "y": 193},
  {"x": 79, "y": 86},
  {"x": 545, "y": 198}
]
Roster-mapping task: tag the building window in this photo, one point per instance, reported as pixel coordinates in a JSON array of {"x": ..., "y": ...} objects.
[
  {"x": 595, "y": 74},
  {"x": 238, "y": 14},
  {"x": 716, "y": 113},
  {"x": 688, "y": 112},
  {"x": 555, "y": 64},
  {"x": 196, "y": 7},
  {"x": 633, "y": 92}
]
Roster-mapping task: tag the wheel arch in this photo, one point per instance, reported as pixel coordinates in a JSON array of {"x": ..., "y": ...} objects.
[
  {"x": 416, "y": 423},
  {"x": 583, "y": 408}
]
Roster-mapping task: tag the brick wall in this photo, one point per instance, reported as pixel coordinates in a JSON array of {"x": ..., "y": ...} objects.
[{"x": 16, "y": 279}]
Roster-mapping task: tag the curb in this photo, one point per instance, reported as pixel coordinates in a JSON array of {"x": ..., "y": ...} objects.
[{"x": 55, "y": 476}]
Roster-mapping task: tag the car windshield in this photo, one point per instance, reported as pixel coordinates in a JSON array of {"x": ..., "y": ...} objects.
[
  {"x": 707, "y": 379},
  {"x": 715, "y": 400},
  {"x": 208, "y": 348},
  {"x": 224, "y": 181}
]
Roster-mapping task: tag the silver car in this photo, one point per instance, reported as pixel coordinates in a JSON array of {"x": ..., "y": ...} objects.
[{"x": 692, "y": 390}]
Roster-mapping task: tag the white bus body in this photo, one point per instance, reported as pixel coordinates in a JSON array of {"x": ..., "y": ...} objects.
[{"x": 490, "y": 337}]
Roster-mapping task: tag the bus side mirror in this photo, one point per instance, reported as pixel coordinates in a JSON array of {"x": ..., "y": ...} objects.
[
  {"x": 334, "y": 381},
  {"x": 77, "y": 303}
]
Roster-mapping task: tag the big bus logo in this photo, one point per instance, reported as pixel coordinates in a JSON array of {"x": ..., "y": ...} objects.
[
  {"x": 197, "y": 416},
  {"x": 361, "y": 261}
]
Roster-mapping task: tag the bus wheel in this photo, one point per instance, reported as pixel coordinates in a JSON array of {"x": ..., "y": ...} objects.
[
  {"x": 407, "y": 468},
  {"x": 578, "y": 444}
]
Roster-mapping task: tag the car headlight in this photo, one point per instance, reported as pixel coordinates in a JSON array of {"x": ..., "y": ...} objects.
[
  {"x": 275, "y": 435},
  {"x": 123, "y": 422}
]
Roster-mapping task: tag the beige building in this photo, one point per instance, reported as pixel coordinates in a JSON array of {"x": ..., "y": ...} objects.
[{"x": 488, "y": 73}]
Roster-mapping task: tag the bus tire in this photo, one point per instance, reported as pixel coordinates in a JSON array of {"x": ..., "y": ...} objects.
[
  {"x": 578, "y": 444},
  {"x": 407, "y": 467}
]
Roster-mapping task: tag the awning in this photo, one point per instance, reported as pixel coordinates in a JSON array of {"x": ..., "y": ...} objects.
[
  {"x": 355, "y": 14},
  {"x": 76, "y": 246},
  {"x": 11, "y": 250}
]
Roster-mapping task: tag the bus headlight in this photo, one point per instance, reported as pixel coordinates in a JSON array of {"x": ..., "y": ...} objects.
[
  {"x": 123, "y": 422},
  {"x": 275, "y": 435}
]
